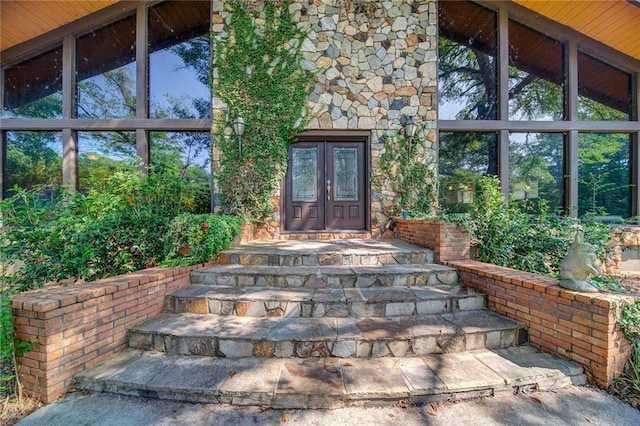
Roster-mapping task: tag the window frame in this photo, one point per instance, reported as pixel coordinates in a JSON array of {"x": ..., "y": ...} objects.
[
  {"x": 570, "y": 126},
  {"x": 69, "y": 125}
]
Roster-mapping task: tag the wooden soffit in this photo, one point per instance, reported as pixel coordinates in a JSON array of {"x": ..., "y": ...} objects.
[
  {"x": 615, "y": 23},
  {"x": 22, "y": 20}
]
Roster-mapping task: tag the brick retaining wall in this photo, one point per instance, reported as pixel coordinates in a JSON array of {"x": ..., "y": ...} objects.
[
  {"x": 580, "y": 326},
  {"x": 79, "y": 326},
  {"x": 446, "y": 239}
]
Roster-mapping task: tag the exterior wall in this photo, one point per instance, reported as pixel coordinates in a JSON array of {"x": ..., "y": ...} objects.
[
  {"x": 77, "y": 327},
  {"x": 375, "y": 62}
]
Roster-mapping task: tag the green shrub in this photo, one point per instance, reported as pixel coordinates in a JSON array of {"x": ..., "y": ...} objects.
[
  {"x": 194, "y": 239},
  {"x": 628, "y": 384},
  {"x": 526, "y": 237},
  {"x": 9, "y": 348},
  {"x": 52, "y": 234}
]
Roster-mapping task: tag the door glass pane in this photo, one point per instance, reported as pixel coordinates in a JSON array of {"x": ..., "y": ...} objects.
[
  {"x": 305, "y": 174},
  {"x": 345, "y": 174},
  {"x": 106, "y": 71}
]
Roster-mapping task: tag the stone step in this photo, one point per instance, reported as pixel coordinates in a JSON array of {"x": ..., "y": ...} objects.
[
  {"x": 323, "y": 302},
  {"x": 288, "y": 383},
  {"x": 327, "y": 276},
  {"x": 326, "y": 253},
  {"x": 235, "y": 337}
]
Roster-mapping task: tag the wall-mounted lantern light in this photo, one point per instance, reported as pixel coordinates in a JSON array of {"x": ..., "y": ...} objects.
[
  {"x": 238, "y": 129},
  {"x": 409, "y": 132}
]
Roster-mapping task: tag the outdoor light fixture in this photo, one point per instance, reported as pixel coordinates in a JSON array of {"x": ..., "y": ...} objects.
[
  {"x": 238, "y": 128},
  {"x": 409, "y": 132}
]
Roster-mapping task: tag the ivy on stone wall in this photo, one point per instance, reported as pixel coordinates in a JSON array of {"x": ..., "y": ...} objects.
[
  {"x": 406, "y": 178},
  {"x": 259, "y": 77}
]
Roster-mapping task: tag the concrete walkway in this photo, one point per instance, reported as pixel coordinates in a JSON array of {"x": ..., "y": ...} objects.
[{"x": 568, "y": 406}]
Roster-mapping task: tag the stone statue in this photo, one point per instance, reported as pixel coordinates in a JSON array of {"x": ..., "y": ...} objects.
[{"x": 580, "y": 264}]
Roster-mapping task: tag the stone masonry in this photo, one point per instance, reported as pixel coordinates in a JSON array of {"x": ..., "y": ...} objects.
[{"x": 375, "y": 63}]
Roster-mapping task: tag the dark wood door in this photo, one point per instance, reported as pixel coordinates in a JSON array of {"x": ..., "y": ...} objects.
[{"x": 325, "y": 186}]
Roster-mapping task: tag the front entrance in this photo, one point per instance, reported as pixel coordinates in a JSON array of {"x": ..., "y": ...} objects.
[{"x": 325, "y": 187}]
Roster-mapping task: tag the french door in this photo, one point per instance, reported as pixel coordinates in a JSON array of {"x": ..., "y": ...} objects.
[{"x": 325, "y": 186}]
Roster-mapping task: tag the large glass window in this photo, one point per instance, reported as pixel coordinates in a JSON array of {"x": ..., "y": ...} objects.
[
  {"x": 186, "y": 155},
  {"x": 536, "y": 168},
  {"x": 106, "y": 71},
  {"x": 101, "y": 154},
  {"x": 604, "y": 91},
  {"x": 604, "y": 172},
  {"x": 32, "y": 158},
  {"x": 463, "y": 157},
  {"x": 33, "y": 89},
  {"x": 467, "y": 77},
  {"x": 179, "y": 60},
  {"x": 114, "y": 115},
  {"x": 536, "y": 75},
  {"x": 549, "y": 143}
]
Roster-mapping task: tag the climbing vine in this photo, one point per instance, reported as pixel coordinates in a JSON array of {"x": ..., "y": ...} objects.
[
  {"x": 258, "y": 76},
  {"x": 406, "y": 180}
]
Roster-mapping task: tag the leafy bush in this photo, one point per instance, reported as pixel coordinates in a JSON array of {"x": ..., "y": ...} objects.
[
  {"x": 525, "y": 237},
  {"x": 259, "y": 76},
  {"x": 406, "y": 180},
  {"x": 628, "y": 384},
  {"x": 194, "y": 239},
  {"x": 52, "y": 234},
  {"x": 9, "y": 349}
]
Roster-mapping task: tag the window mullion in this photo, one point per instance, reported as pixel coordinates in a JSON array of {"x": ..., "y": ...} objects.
[
  {"x": 69, "y": 136},
  {"x": 142, "y": 82},
  {"x": 571, "y": 159},
  {"x": 635, "y": 147},
  {"x": 503, "y": 65}
]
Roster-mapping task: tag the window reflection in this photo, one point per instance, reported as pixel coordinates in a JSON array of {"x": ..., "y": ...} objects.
[
  {"x": 32, "y": 158},
  {"x": 536, "y": 75},
  {"x": 536, "y": 170},
  {"x": 101, "y": 154},
  {"x": 33, "y": 88},
  {"x": 179, "y": 59},
  {"x": 604, "y": 174},
  {"x": 186, "y": 155},
  {"x": 604, "y": 91},
  {"x": 106, "y": 71},
  {"x": 463, "y": 157},
  {"x": 467, "y": 74}
]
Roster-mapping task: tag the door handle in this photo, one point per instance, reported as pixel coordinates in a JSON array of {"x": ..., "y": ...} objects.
[{"x": 328, "y": 190}]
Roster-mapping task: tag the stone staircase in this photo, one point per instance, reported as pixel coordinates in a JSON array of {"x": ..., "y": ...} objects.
[{"x": 317, "y": 324}]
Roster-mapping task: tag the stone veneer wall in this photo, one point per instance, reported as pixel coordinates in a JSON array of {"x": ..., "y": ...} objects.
[
  {"x": 376, "y": 62},
  {"x": 625, "y": 238},
  {"x": 80, "y": 326}
]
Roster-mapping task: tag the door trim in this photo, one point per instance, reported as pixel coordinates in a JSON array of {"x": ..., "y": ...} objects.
[{"x": 361, "y": 136}]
